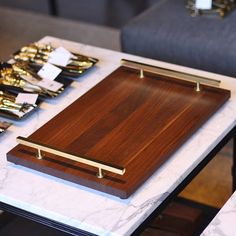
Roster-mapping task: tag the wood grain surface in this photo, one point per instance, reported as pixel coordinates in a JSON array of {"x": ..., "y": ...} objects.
[{"x": 126, "y": 121}]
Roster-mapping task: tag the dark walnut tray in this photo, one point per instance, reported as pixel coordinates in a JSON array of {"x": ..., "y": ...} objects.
[{"x": 125, "y": 121}]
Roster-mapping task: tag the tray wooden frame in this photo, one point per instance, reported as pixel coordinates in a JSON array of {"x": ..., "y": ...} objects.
[{"x": 127, "y": 121}]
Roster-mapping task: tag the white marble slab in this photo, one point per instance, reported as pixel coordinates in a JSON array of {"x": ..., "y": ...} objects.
[
  {"x": 91, "y": 210},
  {"x": 224, "y": 222}
]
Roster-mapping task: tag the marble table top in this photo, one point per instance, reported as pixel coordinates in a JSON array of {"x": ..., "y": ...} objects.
[
  {"x": 224, "y": 222},
  {"x": 91, "y": 210}
]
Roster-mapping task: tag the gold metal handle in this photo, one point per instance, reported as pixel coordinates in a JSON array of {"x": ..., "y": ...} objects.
[
  {"x": 85, "y": 160},
  {"x": 168, "y": 72}
]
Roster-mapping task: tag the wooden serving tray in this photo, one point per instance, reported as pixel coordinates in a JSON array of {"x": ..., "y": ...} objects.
[{"x": 125, "y": 121}]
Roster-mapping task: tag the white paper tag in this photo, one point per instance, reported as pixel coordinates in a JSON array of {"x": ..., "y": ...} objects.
[
  {"x": 30, "y": 79},
  {"x": 44, "y": 83},
  {"x": 21, "y": 113},
  {"x": 49, "y": 71},
  {"x": 11, "y": 61},
  {"x": 203, "y": 4},
  {"x": 29, "y": 98},
  {"x": 60, "y": 57},
  {"x": 63, "y": 50},
  {"x": 50, "y": 85}
]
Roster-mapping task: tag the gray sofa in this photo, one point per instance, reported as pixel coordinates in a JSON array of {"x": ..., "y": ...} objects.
[
  {"x": 112, "y": 13},
  {"x": 20, "y": 27},
  {"x": 83, "y": 21},
  {"x": 167, "y": 32},
  {"x": 163, "y": 30}
]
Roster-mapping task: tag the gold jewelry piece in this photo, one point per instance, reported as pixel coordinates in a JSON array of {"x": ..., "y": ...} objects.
[
  {"x": 7, "y": 103},
  {"x": 13, "y": 75},
  {"x": 38, "y": 54}
]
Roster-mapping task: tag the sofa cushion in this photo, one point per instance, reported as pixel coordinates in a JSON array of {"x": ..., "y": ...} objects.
[{"x": 167, "y": 32}]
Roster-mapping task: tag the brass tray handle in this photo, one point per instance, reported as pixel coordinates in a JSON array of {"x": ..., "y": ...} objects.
[
  {"x": 85, "y": 160},
  {"x": 171, "y": 73}
]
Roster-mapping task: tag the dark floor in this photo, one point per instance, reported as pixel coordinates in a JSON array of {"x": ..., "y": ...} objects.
[
  {"x": 11, "y": 225},
  {"x": 219, "y": 181}
]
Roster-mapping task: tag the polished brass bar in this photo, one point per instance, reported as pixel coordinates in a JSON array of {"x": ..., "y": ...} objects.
[
  {"x": 141, "y": 74},
  {"x": 198, "y": 89},
  {"x": 100, "y": 173},
  {"x": 85, "y": 160},
  {"x": 39, "y": 155},
  {"x": 168, "y": 72}
]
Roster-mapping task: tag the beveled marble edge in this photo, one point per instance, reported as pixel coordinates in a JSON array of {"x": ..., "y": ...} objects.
[
  {"x": 224, "y": 222},
  {"x": 91, "y": 210}
]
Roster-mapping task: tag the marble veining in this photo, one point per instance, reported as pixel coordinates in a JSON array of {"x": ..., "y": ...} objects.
[
  {"x": 88, "y": 209},
  {"x": 224, "y": 222}
]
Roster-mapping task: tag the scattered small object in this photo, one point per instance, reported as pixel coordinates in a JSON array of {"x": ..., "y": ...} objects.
[{"x": 218, "y": 7}]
